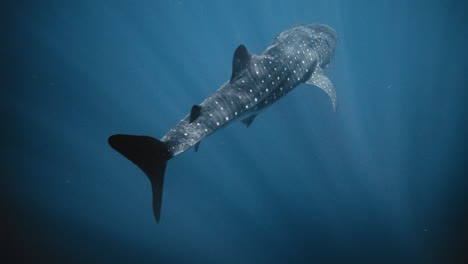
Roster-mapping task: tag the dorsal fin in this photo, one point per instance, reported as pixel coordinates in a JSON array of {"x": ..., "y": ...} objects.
[
  {"x": 241, "y": 59},
  {"x": 194, "y": 113},
  {"x": 248, "y": 120},
  {"x": 321, "y": 81}
]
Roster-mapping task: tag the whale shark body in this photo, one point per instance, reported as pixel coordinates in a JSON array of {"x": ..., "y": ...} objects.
[{"x": 297, "y": 55}]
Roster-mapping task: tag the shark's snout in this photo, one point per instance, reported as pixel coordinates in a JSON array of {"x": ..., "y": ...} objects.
[{"x": 331, "y": 32}]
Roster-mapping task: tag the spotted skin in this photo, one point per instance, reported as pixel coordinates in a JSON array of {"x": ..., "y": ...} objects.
[{"x": 295, "y": 56}]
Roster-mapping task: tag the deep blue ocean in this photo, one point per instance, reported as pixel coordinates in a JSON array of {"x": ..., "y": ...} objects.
[{"x": 382, "y": 180}]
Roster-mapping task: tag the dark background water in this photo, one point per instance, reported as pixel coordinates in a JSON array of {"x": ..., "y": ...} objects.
[{"x": 382, "y": 180}]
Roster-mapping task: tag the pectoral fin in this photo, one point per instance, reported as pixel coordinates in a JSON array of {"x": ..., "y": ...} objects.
[{"x": 321, "y": 81}]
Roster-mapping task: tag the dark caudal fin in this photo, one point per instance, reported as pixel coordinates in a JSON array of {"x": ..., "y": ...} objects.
[{"x": 150, "y": 155}]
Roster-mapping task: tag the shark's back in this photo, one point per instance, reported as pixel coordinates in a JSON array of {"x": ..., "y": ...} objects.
[{"x": 295, "y": 56}]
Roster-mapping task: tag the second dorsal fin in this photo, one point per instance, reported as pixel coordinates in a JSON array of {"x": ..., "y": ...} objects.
[
  {"x": 240, "y": 61},
  {"x": 194, "y": 113}
]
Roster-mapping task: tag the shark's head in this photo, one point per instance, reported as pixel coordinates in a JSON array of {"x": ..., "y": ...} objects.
[
  {"x": 330, "y": 32},
  {"x": 327, "y": 31},
  {"x": 328, "y": 37}
]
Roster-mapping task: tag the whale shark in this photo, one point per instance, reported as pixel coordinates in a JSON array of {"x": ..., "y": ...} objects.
[{"x": 297, "y": 55}]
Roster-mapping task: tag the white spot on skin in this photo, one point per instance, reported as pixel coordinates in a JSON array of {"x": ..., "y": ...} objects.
[
  {"x": 211, "y": 115},
  {"x": 222, "y": 108},
  {"x": 246, "y": 106},
  {"x": 251, "y": 90},
  {"x": 255, "y": 99},
  {"x": 257, "y": 72},
  {"x": 266, "y": 90},
  {"x": 227, "y": 118},
  {"x": 217, "y": 123},
  {"x": 185, "y": 134},
  {"x": 206, "y": 130},
  {"x": 235, "y": 113}
]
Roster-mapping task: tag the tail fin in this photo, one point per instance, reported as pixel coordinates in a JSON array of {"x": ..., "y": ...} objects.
[{"x": 150, "y": 155}]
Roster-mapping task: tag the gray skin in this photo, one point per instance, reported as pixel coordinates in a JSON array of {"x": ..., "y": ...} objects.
[{"x": 297, "y": 55}]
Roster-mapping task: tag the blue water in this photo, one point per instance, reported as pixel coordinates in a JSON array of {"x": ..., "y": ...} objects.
[{"x": 380, "y": 181}]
